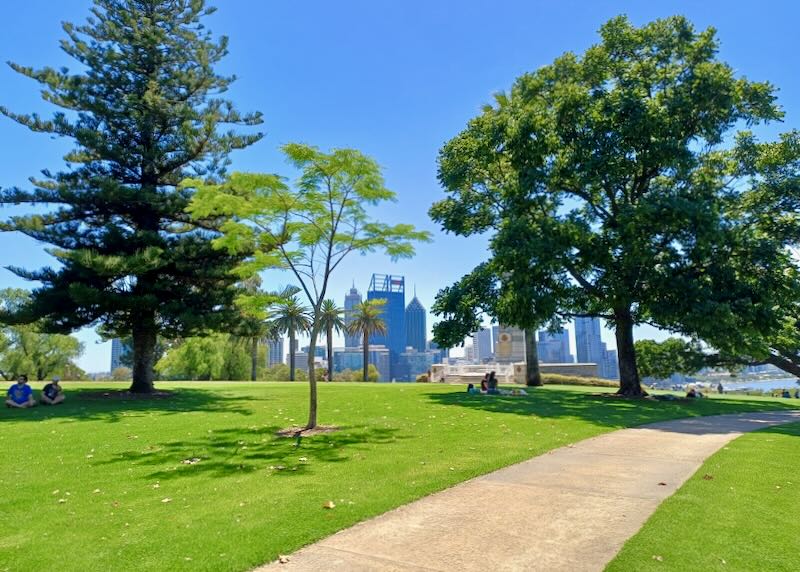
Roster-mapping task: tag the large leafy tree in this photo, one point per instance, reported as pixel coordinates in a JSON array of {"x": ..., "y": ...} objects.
[
  {"x": 367, "y": 321},
  {"x": 25, "y": 349},
  {"x": 662, "y": 359},
  {"x": 309, "y": 229},
  {"x": 144, "y": 111},
  {"x": 615, "y": 185}
]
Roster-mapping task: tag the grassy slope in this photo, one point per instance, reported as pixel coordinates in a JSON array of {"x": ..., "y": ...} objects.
[
  {"x": 742, "y": 518},
  {"x": 113, "y": 463}
]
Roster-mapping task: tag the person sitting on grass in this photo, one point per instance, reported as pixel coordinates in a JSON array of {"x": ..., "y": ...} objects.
[
  {"x": 485, "y": 383},
  {"x": 52, "y": 394},
  {"x": 691, "y": 393},
  {"x": 20, "y": 395},
  {"x": 492, "y": 383}
]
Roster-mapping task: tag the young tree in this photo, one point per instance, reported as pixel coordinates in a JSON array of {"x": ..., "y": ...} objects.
[
  {"x": 144, "y": 112},
  {"x": 367, "y": 320},
  {"x": 611, "y": 191},
  {"x": 308, "y": 230},
  {"x": 331, "y": 320},
  {"x": 293, "y": 318}
]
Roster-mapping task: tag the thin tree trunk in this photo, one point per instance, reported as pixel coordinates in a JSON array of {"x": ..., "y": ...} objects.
[
  {"x": 144, "y": 350},
  {"x": 366, "y": 356},
  {"x": 312, "y": 381},
  {"x": 329, "y": 342},
  {"x": 629, "y": 383},
  {"x": 254, "y": 359},
  {"x": 533, "y": 376},
  {"x": 291, "y": 354}
]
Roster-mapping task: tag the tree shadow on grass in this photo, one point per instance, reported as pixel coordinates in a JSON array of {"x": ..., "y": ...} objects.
[
  {"x": 603, "y": 410},
  {"x": 236, "y": 451},
  {"x": 92, "y": 405}
]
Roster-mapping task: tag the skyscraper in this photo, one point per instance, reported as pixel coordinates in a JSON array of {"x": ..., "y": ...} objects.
[
  {"x": 416, "y": 329},
  {"x": 553, "y": 347},
  {"x": 482, "y": 344},
  {"x": 275, "y": 351},
  {"x": 588, "y": 344},
  {"x": 393, "y": 290},
  {"x": 351, "y": 300},
  {"x": 118, "y": 351}
]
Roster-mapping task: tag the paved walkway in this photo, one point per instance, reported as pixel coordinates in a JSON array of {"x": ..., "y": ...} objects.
[{"x": 570, "y": 509}]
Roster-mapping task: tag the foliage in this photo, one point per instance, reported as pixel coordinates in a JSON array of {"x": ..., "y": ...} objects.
[
  {"x": 293, "y": 318},
  {"x": 215, "y": 356},
  {"x": 121, "y": 374},
  {"x": 280, "y": 372},
  {"x": 25, "y": 349},
  {"x": 610, "y": 188},
  {"x": 144, "y": 111},
  {"x": 245, "y": 472},
  {"x": 308, "y": 229},
  {"x": 423, "y": 378},
  {"x": 373, "y": 375},
  {"x": 673, "y": 355},
  {"x": 559, "y": 379},
  {"x": 367, "y": 320}
]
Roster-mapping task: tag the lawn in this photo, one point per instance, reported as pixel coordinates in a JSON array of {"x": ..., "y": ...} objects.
[
  {"x": 200, "y": 481},
  {"x": 738, "y": 512}
]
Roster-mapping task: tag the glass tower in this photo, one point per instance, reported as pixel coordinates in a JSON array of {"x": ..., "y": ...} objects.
[
  {"x": 415, "y": 325},
  {"x": 393, "y": 290},
  {"x": 351, "y": 300}
]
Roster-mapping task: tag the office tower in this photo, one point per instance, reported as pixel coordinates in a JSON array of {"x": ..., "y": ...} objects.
[
  {"x": 353, "y": 359},
  {"x": 392, "y": 290},
  {"x": 495, "y": 336},
  {"x": 319, "y": 350},
  {"x": 510, "y": 345},
  {"x": 119, "y": 350},
  {"x": 553, "y": 347},
  {"x": 275, "y": 347},
  {"x": 482, "y": 345},
  {"x": 610, "y": 367},
  {"x": 444, "y": 353},
  {"x": 351, "y": 300},
  {"x": 588, "y": 344},
  {"x": 415, "y": 325}
]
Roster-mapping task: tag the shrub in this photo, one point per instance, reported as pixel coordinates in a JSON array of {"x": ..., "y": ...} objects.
[
  {"x": 558, "y": 379},
  {"x": 423, "y": 378}
]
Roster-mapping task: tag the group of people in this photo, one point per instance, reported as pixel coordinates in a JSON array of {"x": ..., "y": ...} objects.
[
  {"x": 20, "y": 395},
  {"x": 488, "y": 385}
]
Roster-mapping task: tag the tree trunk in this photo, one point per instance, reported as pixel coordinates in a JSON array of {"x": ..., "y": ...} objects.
[
  {"x": 629, "y": 383},
  {"x": 366, "y": 356},
  {"x": 291, "y": 355},
  {"x": 329, "y": 343},
  {"x": 533, "y": 376},
  {"x": 254, "y": 360},
  {"x": 144, "y": 350},
  {"x": 312, "y": 381}
]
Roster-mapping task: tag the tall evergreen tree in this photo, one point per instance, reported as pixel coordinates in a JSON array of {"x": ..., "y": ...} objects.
[{"x": 145, "y": 113}]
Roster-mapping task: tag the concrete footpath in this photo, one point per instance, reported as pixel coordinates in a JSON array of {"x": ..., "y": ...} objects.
[{"x": 570, "y": 509}]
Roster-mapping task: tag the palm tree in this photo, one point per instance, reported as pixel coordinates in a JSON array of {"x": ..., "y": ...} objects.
[
  {"x": 330, "y": 318},
  {"x": 294, "y": 318},
  {"x": 367, "y": 320}
]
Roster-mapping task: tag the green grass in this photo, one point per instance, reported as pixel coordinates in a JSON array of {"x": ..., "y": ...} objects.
[
  {"x": 738, "y": 512},
  {"x": 84, "y": 483}
]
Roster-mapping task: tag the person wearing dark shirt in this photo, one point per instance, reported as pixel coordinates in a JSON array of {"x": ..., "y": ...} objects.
[
  {"x": 52, "y": 394},
  {"x": 20, "y": 395}
]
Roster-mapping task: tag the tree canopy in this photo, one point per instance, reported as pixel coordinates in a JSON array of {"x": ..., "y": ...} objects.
[
  {"x": 144, "y": 111},
  {"x": 619, "y": 184}
]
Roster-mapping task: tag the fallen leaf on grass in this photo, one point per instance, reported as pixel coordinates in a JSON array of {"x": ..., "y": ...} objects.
[
  {"x": 191, "y": 461},
  {"x": 329, "y": 504},
  {"x": 62, "y": 500},
  {"x": 95, "y": 491},
  {"x": 167, "y": 499},
  {"x": 659, "y": 558},
  {"x": 156, "y": 486},
  {"x": 708, "y": 477}
]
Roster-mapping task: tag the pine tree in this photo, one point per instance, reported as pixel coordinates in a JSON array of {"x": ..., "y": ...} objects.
[{"x": 145, "y": 113}]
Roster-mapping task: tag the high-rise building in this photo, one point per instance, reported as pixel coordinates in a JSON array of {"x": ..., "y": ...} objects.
[
  {"x": 416, "y": 328},
  {"x": 414, "y": 363},
  {"x": 393, "y": 290},
  {"x": 444, "y": 353},
  {"x": 118, "y": 351},
  {"x": 588, "y": 343},
  {"x": 275, "y": 348},
  {"x": 510, "y": 345},
  {"x": 351, "y": 300},
  {"x": 353, "y": 359},
  {"x": 591, "y": 349},
  {"x": 482, "y": 345},
  {"x": 495, "y": 336},
  {"x": 553, "y": 347}
]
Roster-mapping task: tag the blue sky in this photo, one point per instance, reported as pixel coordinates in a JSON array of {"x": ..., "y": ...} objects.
[{"x": 395, "y": 80}]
